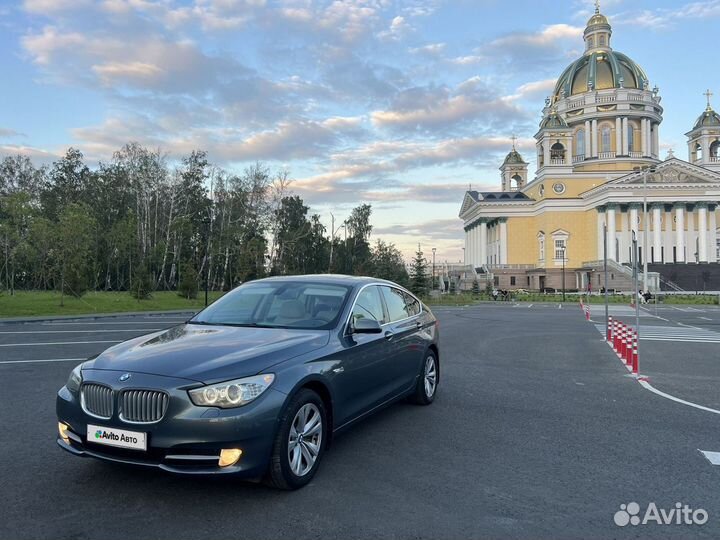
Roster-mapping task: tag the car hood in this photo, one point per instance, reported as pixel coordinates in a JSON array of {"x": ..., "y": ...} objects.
[{"x": 209, "y": 353}]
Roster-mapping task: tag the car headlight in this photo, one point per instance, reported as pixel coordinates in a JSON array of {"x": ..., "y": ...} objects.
[
  {"x": 231, "y": 394},
  {"x": 75, "y": 379}
]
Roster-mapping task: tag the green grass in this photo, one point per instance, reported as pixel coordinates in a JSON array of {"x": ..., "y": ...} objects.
[{"x": 30, "y": 303}]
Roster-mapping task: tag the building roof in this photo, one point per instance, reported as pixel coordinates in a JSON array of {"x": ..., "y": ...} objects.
[
  {"x": 498, "y": 196},
  {"x": 514, "y": 157},
  {"x": 600, "y": 67},
  {"x": 553, "y": 121},
  {"x": 708, "y": 118}
]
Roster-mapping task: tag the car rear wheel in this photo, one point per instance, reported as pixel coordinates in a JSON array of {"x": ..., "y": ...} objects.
[
  {"x": 300, "y": 441},
  {"x": 427, "y": 383}
]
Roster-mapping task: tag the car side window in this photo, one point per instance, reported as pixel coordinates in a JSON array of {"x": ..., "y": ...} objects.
[
  {"x": 369, "y": 305},
  {"x": 412, "y": 303},
  {"x": 395, "y": 301}
]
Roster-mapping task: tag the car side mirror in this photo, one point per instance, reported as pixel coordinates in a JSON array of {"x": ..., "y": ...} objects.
[{"x": 366, "y": 326}]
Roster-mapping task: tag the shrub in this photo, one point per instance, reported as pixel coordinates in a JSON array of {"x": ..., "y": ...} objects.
[
  {"x": 141, "y": 288},
  {"x": 188, "y": 286}
]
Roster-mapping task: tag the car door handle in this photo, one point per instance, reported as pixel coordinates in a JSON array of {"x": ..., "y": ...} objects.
[{"x": 389, "y": 335}]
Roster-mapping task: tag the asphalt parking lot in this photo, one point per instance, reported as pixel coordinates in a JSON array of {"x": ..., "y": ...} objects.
[{"x": 537, "y": 432}]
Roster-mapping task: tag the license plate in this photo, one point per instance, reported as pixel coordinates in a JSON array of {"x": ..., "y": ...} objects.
[{"x": 121, "y": 438}]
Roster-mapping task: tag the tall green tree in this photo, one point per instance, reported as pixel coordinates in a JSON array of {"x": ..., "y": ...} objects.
[
  {"x": 419, "y": 278},
  {"x": 388, "y": 263},
  {"x": 74, "y": 241}
]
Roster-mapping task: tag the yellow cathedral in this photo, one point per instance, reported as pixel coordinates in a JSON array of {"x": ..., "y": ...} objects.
[{"x": 599, "y": 166}]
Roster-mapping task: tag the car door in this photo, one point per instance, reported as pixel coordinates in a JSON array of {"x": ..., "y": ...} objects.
[
  {"x": 405, "y": 338},
  {"x": 361, "y": 380}
]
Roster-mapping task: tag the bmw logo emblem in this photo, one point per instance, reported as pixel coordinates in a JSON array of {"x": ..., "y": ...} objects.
[{"x": 124, "y": 377}]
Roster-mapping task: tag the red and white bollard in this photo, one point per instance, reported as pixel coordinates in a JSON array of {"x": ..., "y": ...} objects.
[
  {"x": 608, "y": 337},
  {"x": 636, "y": 357},
  {"x": 624, "y": 343},
  {"x": 630, "y": 345},
  {"x": 616, "y": 336},
  {"x": 587, "y": 312}
]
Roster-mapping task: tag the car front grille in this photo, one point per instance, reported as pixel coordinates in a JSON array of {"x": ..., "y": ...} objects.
[
  {"x": 97, "y": 400},
  {"x": 143, "y": 406}
]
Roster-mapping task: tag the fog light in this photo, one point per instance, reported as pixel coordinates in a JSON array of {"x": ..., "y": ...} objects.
[
  {"x": 229, "y": 456},
  {"x": 62, "y": 430}
]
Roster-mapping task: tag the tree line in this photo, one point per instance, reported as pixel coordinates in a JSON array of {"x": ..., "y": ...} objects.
[{"x": 138, "y": 223}]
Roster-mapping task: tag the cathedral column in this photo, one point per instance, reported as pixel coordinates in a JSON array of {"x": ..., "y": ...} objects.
[
  {"x": 657, "y": 233},
  {"x": 702, "y": 232},
  {"x": 643, "y": 136},
  {"x": 611, "y": 231},
  {"x": 469, "y": 249},
  {"x": 656, "y": 140},
  {"x": 625, "y": 242},
  {"x": 466, "y": 250},
  {"x": 689, "y": 237},
  {"x": 588, "y": 139},
  {"x": 594, "y": 138},
  {"x": 680, "y": 231},
  {"x": 634, "y": 224},
  {"x": 618, "y": 136},
  {"x": 503, "y": 241},
  {"x": 483, "y": 243},
  {"x": 712, "y": 235},
  {"x": 546, "y": 152},
  {"x": 625, "y": 150}
]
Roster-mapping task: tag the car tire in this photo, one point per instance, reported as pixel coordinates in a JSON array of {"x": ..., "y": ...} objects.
[
  {"x": 427, "y": 383},
  {"x": 292, "y": 465}
]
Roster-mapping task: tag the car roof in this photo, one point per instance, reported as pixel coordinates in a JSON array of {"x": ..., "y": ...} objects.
[{"x": 339, "y": 279}]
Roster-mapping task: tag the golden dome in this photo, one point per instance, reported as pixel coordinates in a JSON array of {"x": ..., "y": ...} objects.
[{"x": 597, "y": 18}]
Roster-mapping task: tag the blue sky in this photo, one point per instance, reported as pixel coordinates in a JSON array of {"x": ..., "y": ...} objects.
[{"x": 399, "y": 103}]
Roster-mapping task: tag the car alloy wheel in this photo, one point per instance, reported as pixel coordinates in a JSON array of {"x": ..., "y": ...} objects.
[
  {"x": 430, "y": 377},
  {"x": 305, "y": 439}
]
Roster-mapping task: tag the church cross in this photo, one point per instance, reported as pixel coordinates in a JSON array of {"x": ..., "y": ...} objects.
[
  {"x": 708, "y": 94},
  {"x": 514, "y": 138},
  {"x": 597, "y": 6}
]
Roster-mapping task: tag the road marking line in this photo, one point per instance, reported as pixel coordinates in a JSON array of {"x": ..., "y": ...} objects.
[
  {"x": 54, "y": 343},
  {"x": 705, "y": 318},
  {"x": 37, "y": 361},
  {"x": 712, "y": 457},
  {"x": 531, "y": 305},
  {"x": 647, "y": 386},
  {"x": 83, "y": 331}
]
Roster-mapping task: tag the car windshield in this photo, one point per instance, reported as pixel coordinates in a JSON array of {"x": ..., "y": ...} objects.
[{"x": 280, "y": 304}]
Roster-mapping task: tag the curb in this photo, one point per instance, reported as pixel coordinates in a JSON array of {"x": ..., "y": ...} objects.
[{"x": 43, "y": 318}]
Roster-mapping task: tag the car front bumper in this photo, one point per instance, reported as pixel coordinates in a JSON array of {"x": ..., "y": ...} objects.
[{"x": 188, "y": 439}]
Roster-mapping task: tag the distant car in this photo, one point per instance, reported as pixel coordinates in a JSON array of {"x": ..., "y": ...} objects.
[{"x": 257, "y": 383}]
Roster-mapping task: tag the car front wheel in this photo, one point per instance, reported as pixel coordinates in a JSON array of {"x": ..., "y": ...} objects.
[{"x": 300, "y": 441}]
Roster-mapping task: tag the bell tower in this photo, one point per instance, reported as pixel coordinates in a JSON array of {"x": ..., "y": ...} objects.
[
  {"x": 514, "y": 170},
  {"x": 704, "y": 138}
]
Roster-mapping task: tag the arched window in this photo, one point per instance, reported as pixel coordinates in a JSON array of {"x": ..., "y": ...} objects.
[
  {"x": 580, "y": 143},
  {"x": 557, "y": 152},
  {"x": 631, "y": 138},
  {"x": 605, "y": 139},
  {"x": 715, "y": 149},
  {"x": 515, "y": 182},
  {"x": 698, "y": 152},
  {"x": 541, "y": 155}
]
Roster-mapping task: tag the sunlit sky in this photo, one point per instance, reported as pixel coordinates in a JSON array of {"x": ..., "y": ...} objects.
[{"x": 401, "y": 104}]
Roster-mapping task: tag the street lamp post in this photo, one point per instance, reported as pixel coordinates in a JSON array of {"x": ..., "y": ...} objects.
[
  {"x": 432, "y": 285},
  {"x": 563, "y": 273},
  {"x": 645, "y": 170}
]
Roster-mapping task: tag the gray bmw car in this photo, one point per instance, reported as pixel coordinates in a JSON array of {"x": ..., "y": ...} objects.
[{"x": 256, "y": 384}]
